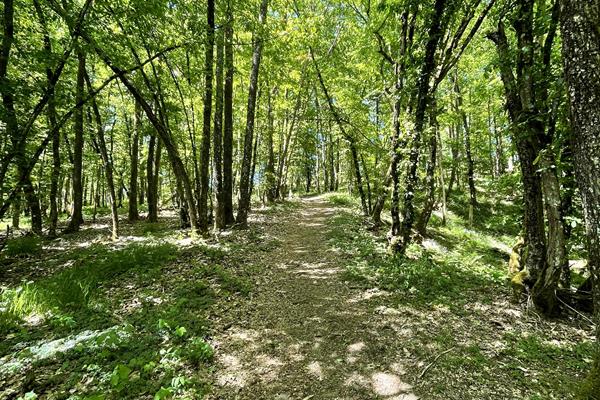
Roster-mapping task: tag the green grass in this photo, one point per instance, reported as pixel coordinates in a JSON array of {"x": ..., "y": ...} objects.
[
  {"x": 28, "y": 245},
  {"x": 74, "y": 288},
  {"x": 341, "y": 199},
  {"x": 150, "y": 298},
  {"x": 459, "y": 266}
]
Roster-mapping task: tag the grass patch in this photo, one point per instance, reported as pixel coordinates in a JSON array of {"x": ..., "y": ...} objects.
[
  {"x": 28, "y": 245},
  {"x": 341, "y": 199},
  {"x": 74, "y": 288}
]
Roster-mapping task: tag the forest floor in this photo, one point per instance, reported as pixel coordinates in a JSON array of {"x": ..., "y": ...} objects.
[{"x": 304, "y": 305}]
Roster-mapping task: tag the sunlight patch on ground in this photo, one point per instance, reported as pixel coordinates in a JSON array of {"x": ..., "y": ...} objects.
[
  {"x": 356, "y": 347},
  {"x": 233, "y": 373},
  {"x": 386, "y": 384},
  {"x": 315, "y": 370},
  {"x": 433, "y": 245},
  {"x": 46, "y": 350}
]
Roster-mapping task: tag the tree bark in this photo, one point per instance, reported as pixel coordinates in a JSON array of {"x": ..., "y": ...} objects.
[
  {"x": 581, "y": 57},
  {"x": 133, "y": 214},
  {"x": 107, "y": 163},
  {"x": 218, "y": 136},
  {"x": 245, "y": 193},
  {"x": 271, "y": 190},
  {"x": 77, "y": 213},
  {"x": 208, "y": 88},
  {"x": 423, "y": 220},
  {"x": 410, "y": 182},
  {"x": 228, "y": 120}
]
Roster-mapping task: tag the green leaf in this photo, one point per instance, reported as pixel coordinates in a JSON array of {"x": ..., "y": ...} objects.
[
  {"x": 181, "y": 331},
  {"x": 120, "y": 374},
  {"x": 163, "y": 393}
]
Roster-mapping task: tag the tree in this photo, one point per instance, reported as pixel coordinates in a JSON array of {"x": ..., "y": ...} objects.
[
  {"x": 245, "y": 184},
  {"x": 208, "y": 88},
  {"x": 77, "y": 171},
  {"x": 581, "y": 56},
  {"x": 133, "y": 214}
]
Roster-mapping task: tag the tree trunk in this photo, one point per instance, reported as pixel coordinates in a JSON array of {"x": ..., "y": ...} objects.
[
  {"x": 228, "y": 121},
  {"x": 271, "y": 190},
  {"x": 51, "y": 115},
  {"x": 245, "y": 193},
  {"x": 133, "y": 214},
  {"x": 411, "y": 179},
  {"x": 392, "y": 176},
  {"x": 218, "y": 136},
  {"x": 454, "y": 149},
  {"x": 581, "y": 50},
  {"x": 77, "y": 214},
  {"x": 152, "y": 169},
  {"x": 208, "y": 88},
  {"x": 468, "y": 154},
  {"x": 108, "y": 165},
  {"x": 55, "y": 176},
  {"x": 544, "y": 289},
  {"x": 423, "y": 220},
  {"x": 351, "y": 141}
]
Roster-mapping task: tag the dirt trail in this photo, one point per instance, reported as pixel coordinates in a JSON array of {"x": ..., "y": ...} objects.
[{"x": 305, "y": 333}]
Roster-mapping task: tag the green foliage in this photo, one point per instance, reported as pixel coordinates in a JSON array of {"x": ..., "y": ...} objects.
[
  {"x": 198, "y": 351},
  {"x": 341, "y": 199},
  {"x": 28, "y": 245},
  {"x": 590, "y": 388},
  {"x": 73, "y": 288}
]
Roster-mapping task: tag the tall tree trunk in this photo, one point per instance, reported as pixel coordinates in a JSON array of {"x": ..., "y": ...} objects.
[
  {"x": 410, "y": 181},
  {"x": 245, "y": 193},
  {"x": 152, "y": 169},
  {"x": 453, "y": 133},
  {"x": 440, "y": 153},
  {"x": 271, "y": 190},
  {"x": 51, "y": 115},
  {"x": 581, "y": 56},
  {"x": 77, "y": 214},
  {"x": 392, "y": 176},
  {"x": 423, "y": 220},
  {"x": 108, "y": 165},
  {"x": 351, "y": 141},
  {"x": 367, "y": 181},
  {"x": 133, "y": 214},
  {"x": 228, "y": 120},
  {"x": 55, "y": 175},
  {"x": 208, "y": 88},
  {"x": 16, "y": 211},
  {"x": 218, "y": 135},
  {"x": 468, "y": 153}
]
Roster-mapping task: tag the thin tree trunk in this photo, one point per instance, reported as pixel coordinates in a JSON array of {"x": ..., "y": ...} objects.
[
  {"x": 228, "y": 120},
  {"x": 245, "y": 193},
  {"x": 468, "y": 154},
  {"x": 108, "y": 165},
  {"x": 77, "y": 214},
  {"x": 351, "y": 141},
  {"x": 218, "y": 136},
  {"x": 423, "y": 221},
  {"x": 208, "y": 88},
  {"x": 133, "y": 214},
  {"x": 271, "y": 190}
]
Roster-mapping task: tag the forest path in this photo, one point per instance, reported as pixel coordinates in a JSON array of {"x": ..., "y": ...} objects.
[{"x": 305, "y": 333}]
